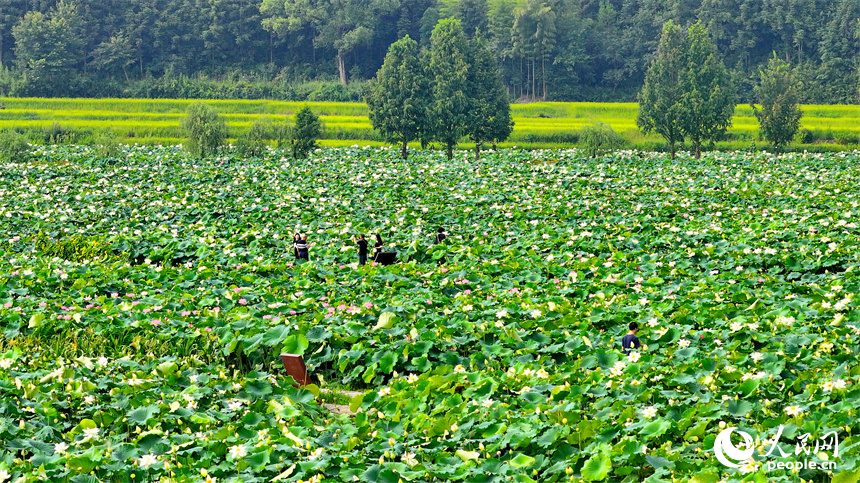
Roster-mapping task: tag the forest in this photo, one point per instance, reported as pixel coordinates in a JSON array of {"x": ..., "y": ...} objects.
[{"x": 559, "y": 50}]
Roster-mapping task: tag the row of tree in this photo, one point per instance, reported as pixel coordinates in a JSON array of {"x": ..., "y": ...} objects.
[
  {"x": 546, "y": 49},
  {"x": 689, "y": 94},
  {"x": 451, "y": 90}
]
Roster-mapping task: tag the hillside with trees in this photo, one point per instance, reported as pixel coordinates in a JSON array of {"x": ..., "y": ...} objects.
[{"x": 566, "y": 50}]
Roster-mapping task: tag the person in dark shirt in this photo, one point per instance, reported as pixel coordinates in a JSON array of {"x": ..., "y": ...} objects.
[
  {"x": 440, "y": 237},
  {"x": 296, "y": 238},
  {"x": 302, "y": 247},
  {"x": 362, "y": 249},
  {"x": 377, "y": 247},
  {"x": 630, "y": 341}
]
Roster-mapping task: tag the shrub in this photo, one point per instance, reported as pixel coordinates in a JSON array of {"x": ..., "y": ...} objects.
[
  {"x": 305, "y": 132},
  {"x": 599, "y": 138},
  {"x": 805, "y": 136},
  {"x": 205, "y": 130},
  {"x": 106, "y": 145},
  {"x": 77, "y": 248},
  {"x": 253, "y": 143},
  {"x": 14, "y": 147}
]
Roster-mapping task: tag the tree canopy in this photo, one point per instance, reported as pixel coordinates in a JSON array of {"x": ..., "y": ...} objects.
[{"x": 564, "y": 50}]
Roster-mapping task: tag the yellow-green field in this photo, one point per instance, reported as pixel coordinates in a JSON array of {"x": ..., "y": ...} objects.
[{"x": 549, "y": 124}]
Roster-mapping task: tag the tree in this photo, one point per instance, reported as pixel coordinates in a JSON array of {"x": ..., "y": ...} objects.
[
  {"x": 660, "y": 98},
  {"x": 344, "y": 25},
  {"x": 491, "y": 111},
  {"x": 400, "y": 95},
  {"x": 305, "y": 132},
  {"x": 253, "y": 143},
  {"x": 205, "y": 130},
  {"x": 48, "y": 46},
  {"x": 534, "y": 36},
  {"x": 778, "y": 94},
  {"x": 450, "y": 58},
  {"x": 708, "y": 99}
]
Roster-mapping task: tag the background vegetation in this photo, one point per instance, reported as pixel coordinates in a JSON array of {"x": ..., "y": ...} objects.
[
  {"x": 537, "y": 125},
  {"x": 565, "y": 50}
]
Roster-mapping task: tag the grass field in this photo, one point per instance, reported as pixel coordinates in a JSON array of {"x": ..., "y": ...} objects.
[{"x": 548, "y": 124}]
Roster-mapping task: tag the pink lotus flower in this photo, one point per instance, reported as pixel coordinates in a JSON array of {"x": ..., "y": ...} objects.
[
  {"x": 237, "y": 290},
  {"x": 267, "y": 317},
  {"x": 114, "y": 295},
  {"x": 341, "y": 307},
  {"x": 43, "y": 304},
  {"x": 243, "y": 302},
  {"x": 208, "y": 329},
  {"x": 368, "y": 305},
  {"x": 156, "y": 322},
  {"x": 468, "y": 291},
  {"x": 8, "y": 305},
  {"x": 186, "y": 313},
  {"x": 292, "y": 312}
]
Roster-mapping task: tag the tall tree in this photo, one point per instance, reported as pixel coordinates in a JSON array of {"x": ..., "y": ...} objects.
[
  {"x": 708, "y": 101},
  {"x": 48, "y": 46},
  {"x": 778, "y": 94},
  {"x": 344, "y": 25},
  {"x": 660, "y": 98},
  {"x": 400, "y": 95},
  {"x": 473, "y": 14},
  {"x": 491, "y": 111},
  {"x": 450, "y": 58}
]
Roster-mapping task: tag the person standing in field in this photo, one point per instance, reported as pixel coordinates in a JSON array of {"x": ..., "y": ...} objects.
[
  {"x": 302, "y": 247},
  {"x": 630, "y": 341},
  {"x": 377, "y": 247},
  {"x": 440, "y": 237},
  {"x": 362, "y": 249}
]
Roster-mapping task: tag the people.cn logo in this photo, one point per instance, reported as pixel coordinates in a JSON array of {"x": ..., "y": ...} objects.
[{"x": 727, "y": 453}]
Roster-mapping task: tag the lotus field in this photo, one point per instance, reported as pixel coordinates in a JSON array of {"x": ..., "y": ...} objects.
[{"x": 144, "y": 302}]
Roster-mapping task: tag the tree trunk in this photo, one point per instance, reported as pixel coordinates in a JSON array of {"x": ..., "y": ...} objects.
[
  {"x": 450, "y": 147},
  {"x": 698, "y": 149},
  {"x": 543, "y": 75},
  {"x": 672, "y": 150},
  {"x": 341, "y": 67},
  {"x": 477, "y": 151},
  {"x": 403, "y": 150}
]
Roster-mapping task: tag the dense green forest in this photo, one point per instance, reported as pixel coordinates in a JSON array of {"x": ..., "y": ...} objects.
[{"x": 566, "y": 50}]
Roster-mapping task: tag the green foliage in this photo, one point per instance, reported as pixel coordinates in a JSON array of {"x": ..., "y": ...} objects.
[
  {"x": 450, "y": 57},
  {"x": 599, "y": 138},
  {"x": 687, "y": 92},
  {"x": 204, "y": 129},
  {"x": 341, "y": 25},
  {"x": 14, "y": 147},
  {"x": 491, "y": 111},
  {"x": 511, "y": 349},
  {"x": 708, "y": 99},
  {"x": 778, "y": 93},
  {"x": 106, "y": 145},
  {"x": 660, "y": 98},
  {"x": 77, "y": 248},
  {"x": 254, "y": 142},
  {"x": 305, "y": 131},
  {"x": 400, "y": 96}
]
